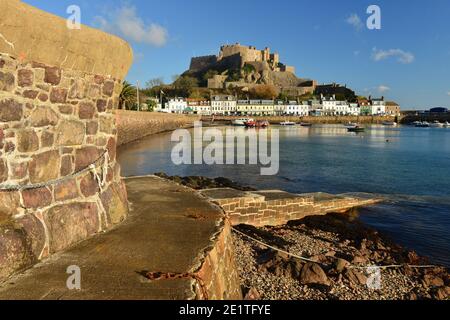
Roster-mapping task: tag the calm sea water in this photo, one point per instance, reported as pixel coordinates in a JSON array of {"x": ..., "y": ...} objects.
[{"x": 410, "y": 166}]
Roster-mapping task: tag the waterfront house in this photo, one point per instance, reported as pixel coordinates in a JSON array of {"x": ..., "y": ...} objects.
[
  {"x": 256, "y": 107},
  {"x": 199, "y": 106},
  {"x": 176, "y": 105},
  {"x": 354, "y": 109},
  {"x": 314, "y": 107},
  {"x": 295, "y": 108},
  {"x": 365, "y": 108},
  {"x": 223, "y": 105},
  {"x": 333, "y": 107},
  {"x": 279, "y": 108},
  {"x": 392, "y": 108},
  {"x": 378, "y": 106},
  {"x": 328, "y": 105}
]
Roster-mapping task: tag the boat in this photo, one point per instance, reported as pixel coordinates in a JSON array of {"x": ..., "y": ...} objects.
[
  {"x": 241, "y": 122},
  {"x": 287, "y": 123},
  {"x": 416, "y": 123},
  {"x": 390, "y": 123},
  {"x": 351, "y": 125},
  {"x": 446, "y": 124},
  {"x": 257, "y": 124},
  {"x": 306, "y": 124},
  {"x": 356, "y": 129},
  {"x": 423, "y": 124},
  {"x": 436, "y": 124}
]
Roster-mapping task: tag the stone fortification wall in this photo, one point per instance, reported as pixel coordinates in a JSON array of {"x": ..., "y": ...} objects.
[{"x": 59, "y": 180}]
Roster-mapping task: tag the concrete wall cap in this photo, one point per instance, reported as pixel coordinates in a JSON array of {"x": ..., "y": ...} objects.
[{"x": 32, "y": 35}]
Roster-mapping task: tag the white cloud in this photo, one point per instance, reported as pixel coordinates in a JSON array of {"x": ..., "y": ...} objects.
[
  {"x": 355, "y": 21},
  {"x": 383, "y": 88},
  {"x": 125, "y": 22},
  {"x": 402, "y": 56}
]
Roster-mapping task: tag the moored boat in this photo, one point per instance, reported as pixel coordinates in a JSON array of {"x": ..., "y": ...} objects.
[
  {"x": 306, "y": 124},
  {"x": 423, "y": 124},
  {"x": 390, "y": 123},
  {"x": 351, "y": 125},
  {"x": 241, "y": 122},
  {"x": 257, "y": 124},
  {"x": 436, "y": 124},
  {"x": 287, "y": 123},
  {"x": 446, "y": 124},
  {"x": 356, "y": 129}
]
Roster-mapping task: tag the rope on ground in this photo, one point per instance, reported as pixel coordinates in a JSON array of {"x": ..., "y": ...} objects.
[
  {"x": 156, "y": 276},
  {"x": 309, "y": 260},
  {"x": 91, "y": 167},
  {"x": 271, "y": 247}
]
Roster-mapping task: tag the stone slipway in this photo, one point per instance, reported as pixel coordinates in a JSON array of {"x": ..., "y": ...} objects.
[{"x": 170, "y": 229}]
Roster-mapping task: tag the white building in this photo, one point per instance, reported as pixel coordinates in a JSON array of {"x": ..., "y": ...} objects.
[
  {"x": 176, "y": 105},
  {"x": 378, "y": 106},
  {"x": 333, "y": 107},
  {"x": 223, "y": 105},
  {"x": 295, "y": 108},
  {"x": 354, "y": 109},
  {"x": 328, "y": 105}
]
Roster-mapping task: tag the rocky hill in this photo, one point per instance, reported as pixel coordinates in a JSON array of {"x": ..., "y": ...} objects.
[{"x": 247, "y": 67}]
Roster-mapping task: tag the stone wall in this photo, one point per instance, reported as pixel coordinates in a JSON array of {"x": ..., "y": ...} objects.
[
  {"x": 132, "y": 125},
  {"x": 201, "y": 63},
  {"x": 274, "y": 207},
  {"x": 219, "y": 271},
  {"x": 56, "y": 121},
  {"x": 315, "y": 120}
]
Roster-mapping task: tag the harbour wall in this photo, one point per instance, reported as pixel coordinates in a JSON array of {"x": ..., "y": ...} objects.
[
  {"x": 133, "y": 125},
  {"x": 314, "y": 120},
  {"x": 59, "y": 179}
]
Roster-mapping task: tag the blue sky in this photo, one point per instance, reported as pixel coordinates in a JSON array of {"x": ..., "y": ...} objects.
[{"x": 408, "y": 60}]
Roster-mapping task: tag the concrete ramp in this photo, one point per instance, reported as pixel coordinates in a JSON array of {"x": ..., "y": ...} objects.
[{"x": 170, "y": 229}]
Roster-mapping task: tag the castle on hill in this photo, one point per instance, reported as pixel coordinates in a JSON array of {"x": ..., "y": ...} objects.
[{"x": 239, "y": 55}]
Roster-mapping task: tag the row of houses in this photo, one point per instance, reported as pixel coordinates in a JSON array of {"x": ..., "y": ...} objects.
[{"x": 327, "y": 106}]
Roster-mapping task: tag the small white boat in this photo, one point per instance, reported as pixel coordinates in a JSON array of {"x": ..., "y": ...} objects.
[
  {"x": 241, "y": 122},
  {"x": 351, "y": 125},
  {"x": 287, "y": 123},
  {"x": 436, "y": 124},
  {"x": 446, "y": 124},
  {"x": 416, "y": 123},
  {"x": 423, "y": 124},
  {"x": 390, "y": 123}
]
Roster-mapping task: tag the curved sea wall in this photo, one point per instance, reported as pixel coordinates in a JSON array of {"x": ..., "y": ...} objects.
[
  {"x": 133, "y": 125},
  {"x": 59, "y": 180}
]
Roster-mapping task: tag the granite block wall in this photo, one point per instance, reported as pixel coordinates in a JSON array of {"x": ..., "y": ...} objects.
[{"x": 59, "y": 180}]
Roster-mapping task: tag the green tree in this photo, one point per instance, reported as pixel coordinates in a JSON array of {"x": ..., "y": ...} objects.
[
  {"x": 185, "y": 84},
  {"x": 127, "y": 97},
  {"x": 151, "y": 105}
]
